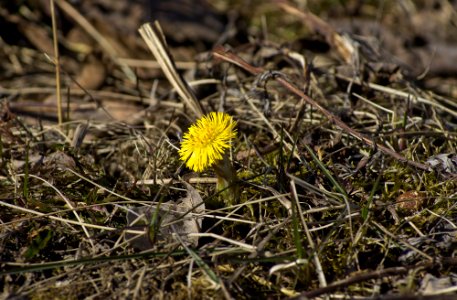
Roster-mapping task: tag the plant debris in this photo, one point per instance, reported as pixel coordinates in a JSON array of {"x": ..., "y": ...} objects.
[{"x": 345, "y": 153}]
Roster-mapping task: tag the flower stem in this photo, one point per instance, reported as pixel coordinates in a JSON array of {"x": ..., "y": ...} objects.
[{"x": 227, "y": 181}]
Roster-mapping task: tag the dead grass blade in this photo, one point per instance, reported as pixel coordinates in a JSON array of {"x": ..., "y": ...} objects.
[
  {"x": 52, "y": 217},
  {"x": 275, "y": 133},
  {"x": 57, "y": 63},
  {"x": 401, "y": 94},
  {"x": 356, "y": 278},
  {"x": 155, "y": 40},
  {"x": 67, "y": 202},
  {"x": 102, "y": 41},
  {"x": 317, "y": 262},
  {"x": 225, "y": 55},
  {"x": 316, "y": 24}
]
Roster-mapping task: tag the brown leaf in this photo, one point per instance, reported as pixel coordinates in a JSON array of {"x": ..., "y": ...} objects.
[
  {"x": 409, "y": 202},
  {"x": 38, "y": 37},
  {"x": 59, "y": 160},
  {"x": 172, "y": 218},
  {"x": 92, "y": 75}
]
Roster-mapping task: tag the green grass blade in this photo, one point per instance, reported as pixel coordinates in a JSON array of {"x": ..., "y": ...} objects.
[{"x": 327, "y": 173}]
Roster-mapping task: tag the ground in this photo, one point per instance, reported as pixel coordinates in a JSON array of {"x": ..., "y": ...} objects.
[{"x": 338, "y": 180}]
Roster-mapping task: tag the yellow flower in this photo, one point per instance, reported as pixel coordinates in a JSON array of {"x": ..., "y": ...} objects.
[{"x": 207, "y": 140}]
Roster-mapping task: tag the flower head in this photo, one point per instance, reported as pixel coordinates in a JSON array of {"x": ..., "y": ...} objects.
[{"x": 207, "y": 140}]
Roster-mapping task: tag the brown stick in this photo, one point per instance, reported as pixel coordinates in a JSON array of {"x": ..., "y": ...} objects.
[
  {"x": 228, "y": 56},
  {"x": 448, "y": 261}
]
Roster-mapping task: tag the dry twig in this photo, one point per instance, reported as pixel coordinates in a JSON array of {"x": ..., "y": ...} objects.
[{"x": 221, "y": 53}]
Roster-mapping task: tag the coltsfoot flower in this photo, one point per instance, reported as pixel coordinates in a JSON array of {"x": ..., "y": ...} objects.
[{"x": 207, "y": 140}]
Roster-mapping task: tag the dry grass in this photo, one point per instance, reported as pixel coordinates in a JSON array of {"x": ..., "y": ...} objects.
[{"x": 347, "y": 171}]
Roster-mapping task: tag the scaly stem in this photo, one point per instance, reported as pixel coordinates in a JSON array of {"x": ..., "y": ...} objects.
[{"x": 227, "y": 181}]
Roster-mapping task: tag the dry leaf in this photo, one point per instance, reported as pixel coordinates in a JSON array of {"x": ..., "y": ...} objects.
[
  {"x": 59, "y": 160},
  {"x": 92, "y": 74},
  {"x": 431, "y": 285},
  {"x": 446, "y": 163},
  {"x": 172, "y": 218},
  {"x": 409, "y": 202}
]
